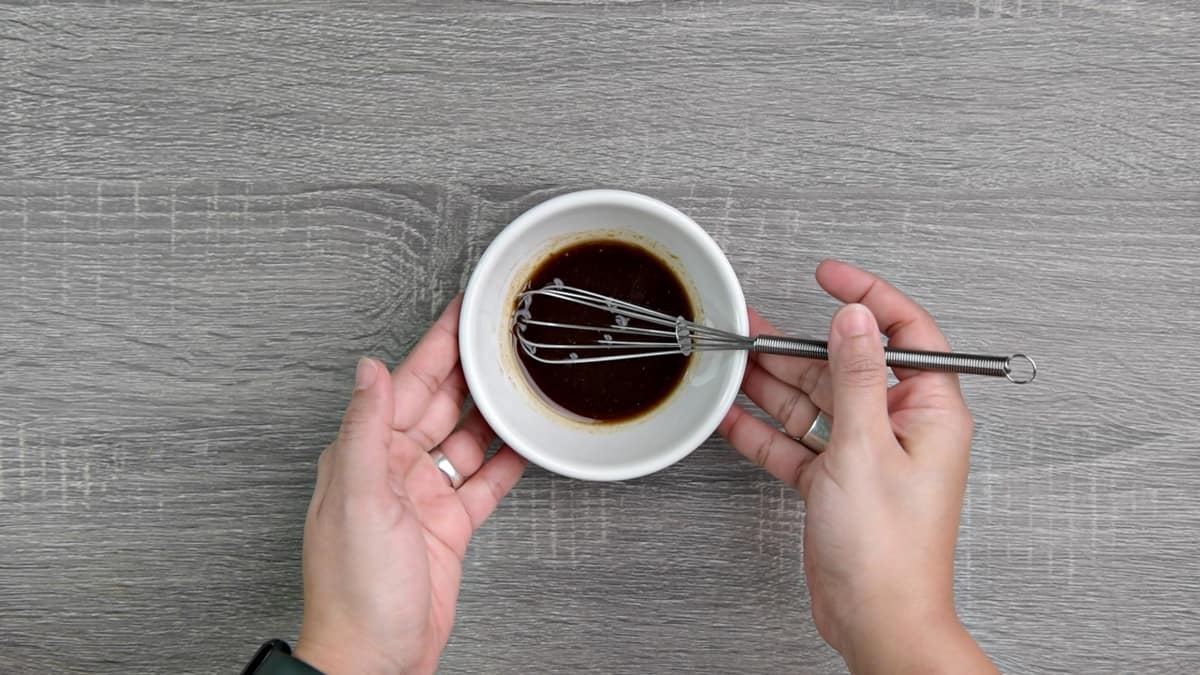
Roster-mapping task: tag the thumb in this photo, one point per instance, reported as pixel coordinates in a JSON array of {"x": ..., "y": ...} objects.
[
  {"x": 859, "y": 376},
  {"x": 362, "y": 445}
]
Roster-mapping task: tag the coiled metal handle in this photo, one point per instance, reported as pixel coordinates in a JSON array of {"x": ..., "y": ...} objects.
[{"x": 967, "y": 364}]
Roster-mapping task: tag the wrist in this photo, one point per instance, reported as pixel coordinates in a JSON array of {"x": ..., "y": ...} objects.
[
  {"x": 920, "y": 639},
  {"x": 345, "y": 660}
]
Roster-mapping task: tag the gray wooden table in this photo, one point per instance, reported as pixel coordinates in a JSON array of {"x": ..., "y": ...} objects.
[{"x": 208, "y": 211}]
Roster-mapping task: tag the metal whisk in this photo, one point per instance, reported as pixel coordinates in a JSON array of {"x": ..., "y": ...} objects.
[{"x": 663, "y": 334}]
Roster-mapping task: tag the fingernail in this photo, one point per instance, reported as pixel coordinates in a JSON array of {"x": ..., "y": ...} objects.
[
  {"x": 364, "y": 374},
  {"x": 855, "y": 320}
]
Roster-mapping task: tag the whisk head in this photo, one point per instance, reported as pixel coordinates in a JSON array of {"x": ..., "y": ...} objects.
[{"x": 622, "y": 330}]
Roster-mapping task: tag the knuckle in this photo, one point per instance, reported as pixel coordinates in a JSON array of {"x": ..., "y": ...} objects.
[
  {"x": 802, "y": 464},
  {"x": 822, "y": 390},
  {"x": 863, "y": 370},
  {"x": 495, "y": 488},
  {"x": 762, "y": 451},
  {"x": 789, "y": 408},
  {"x": 354, "y": 424},
  {"x": 427, "y": 380},
  {"x": 423, "y": 438},
  {"x": 811, "y": 379}
]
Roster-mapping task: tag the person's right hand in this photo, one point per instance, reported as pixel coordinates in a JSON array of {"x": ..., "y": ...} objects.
[{"x": 882, "y": 502}]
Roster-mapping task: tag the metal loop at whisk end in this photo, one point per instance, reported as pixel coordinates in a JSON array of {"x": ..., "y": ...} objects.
[{"x": 1008, "y": 369}]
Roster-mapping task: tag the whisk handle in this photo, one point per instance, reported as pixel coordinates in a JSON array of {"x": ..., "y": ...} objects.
[{"x": 967, "y": 364}]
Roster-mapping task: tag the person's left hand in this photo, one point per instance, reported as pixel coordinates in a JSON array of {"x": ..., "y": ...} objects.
[{"x": 386, "y": 534}]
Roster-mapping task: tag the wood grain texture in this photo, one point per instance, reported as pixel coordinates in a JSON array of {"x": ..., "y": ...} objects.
[
  {"x": 207, "y": 212},
  {"x": 1002, "y": 93}
]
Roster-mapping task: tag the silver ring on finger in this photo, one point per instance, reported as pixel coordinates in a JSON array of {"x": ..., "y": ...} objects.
[
  {"x": 817, "y": 436},
  {"x": 442, "y": 462}
]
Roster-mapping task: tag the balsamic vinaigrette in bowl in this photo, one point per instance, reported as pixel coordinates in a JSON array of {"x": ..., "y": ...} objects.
[{"x": 614, "y": 391}]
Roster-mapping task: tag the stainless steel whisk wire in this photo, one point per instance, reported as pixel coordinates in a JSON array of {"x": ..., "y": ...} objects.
[{"x": 676, "y": 335}]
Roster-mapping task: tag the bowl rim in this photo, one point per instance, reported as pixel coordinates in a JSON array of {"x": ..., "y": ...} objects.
[{"x": 485, "y": 269}]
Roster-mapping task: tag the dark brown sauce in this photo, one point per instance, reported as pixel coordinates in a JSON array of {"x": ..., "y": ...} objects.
[{"x": 615, "y": 391}]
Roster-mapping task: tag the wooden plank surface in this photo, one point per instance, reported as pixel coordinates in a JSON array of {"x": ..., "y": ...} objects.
[{"x": 207, "y": 212}]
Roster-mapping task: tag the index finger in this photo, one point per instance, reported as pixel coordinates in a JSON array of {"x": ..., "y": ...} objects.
[
  {"x": 789, "y": 369},
  {"x": 484, "y": 490},
  {"x": 907, "y": 324},
  {"x": 418, "y": 378}
]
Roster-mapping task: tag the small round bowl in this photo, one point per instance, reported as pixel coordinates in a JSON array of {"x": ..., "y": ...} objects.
[{"x": 499, "y": 388}]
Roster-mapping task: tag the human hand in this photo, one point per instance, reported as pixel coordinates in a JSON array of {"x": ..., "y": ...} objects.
[
  {"x": 386, "y": 534},
  {"x": 882, "y": 502}
]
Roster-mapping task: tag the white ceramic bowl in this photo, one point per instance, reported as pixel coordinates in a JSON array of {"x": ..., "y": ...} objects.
[{"x": 499, "y": 388}]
